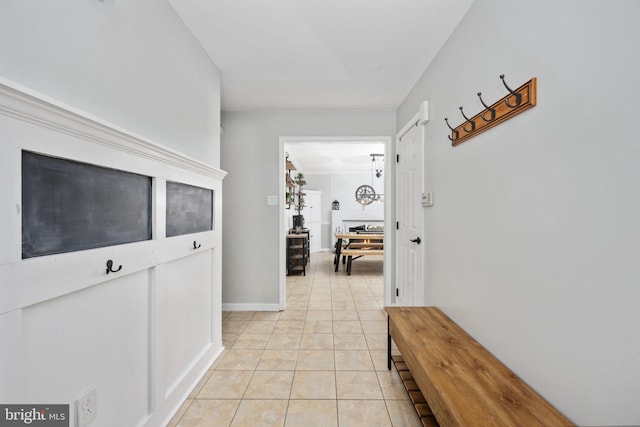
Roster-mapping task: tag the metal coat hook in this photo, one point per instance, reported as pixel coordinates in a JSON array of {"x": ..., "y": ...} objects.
[
  {"x": 491, "y": 110},
  {"x": 455, "y": 132},
  {"x": 516, "y": 94},
  {"x": 493, "y": 114},
  {"x": 110, "y": 267},
  {"x": 473, "y": 124},
  {"x": 198, "y": 246}
]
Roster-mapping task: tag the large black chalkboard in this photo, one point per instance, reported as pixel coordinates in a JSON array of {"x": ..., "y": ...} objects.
[
  {"x": 69, "y": 206},
  {"x": 189, "y": 209}
]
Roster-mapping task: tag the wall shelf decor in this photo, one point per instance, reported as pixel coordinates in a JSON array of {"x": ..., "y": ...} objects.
[
  {"x": 290, "y": 183},
  {"x": 299, "y": 195},
  {"x": 511, "y": 105}
]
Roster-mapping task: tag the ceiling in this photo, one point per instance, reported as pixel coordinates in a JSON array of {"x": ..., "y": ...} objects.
[
  {"x": 320, "y": 54},
  {"x": 333, "y": 157}
]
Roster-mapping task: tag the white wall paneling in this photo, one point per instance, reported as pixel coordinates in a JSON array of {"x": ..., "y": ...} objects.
[{"x": 143, "y": 336}]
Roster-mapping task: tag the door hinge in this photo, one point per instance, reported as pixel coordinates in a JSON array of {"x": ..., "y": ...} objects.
[
  {"x": 397, "y": 225},
  {"x": 397, "y": 158},
  {"x": 397, "y": 292}
]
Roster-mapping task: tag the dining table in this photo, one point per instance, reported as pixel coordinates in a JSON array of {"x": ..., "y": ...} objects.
[{"x": 357, "y": 240}]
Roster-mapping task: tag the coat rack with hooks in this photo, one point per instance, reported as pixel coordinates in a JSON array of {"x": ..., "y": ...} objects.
[{"x": 511, "y": 105}]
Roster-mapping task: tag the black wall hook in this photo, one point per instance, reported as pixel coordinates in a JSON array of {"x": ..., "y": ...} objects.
[
  {"x": 491, "y": 110},
  {"x": 198, "y": 246},
  {"x": 473, "y": 124},
  {"x": 516, "y": 94},
  {"x": 110, "y": 267},
  {"x": 455, "y": 132}
]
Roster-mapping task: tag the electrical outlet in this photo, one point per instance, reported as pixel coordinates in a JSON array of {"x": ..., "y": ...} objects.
[{"x": 86, "y": 408}]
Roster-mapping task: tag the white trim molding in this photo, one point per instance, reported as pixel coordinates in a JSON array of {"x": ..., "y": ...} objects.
[
  {"x": 250, "y": 307},
  {"x": 26, "y": 105}
]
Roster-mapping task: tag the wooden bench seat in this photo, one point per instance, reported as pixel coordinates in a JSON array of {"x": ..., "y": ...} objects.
[
  {"x": 361, "y": 245},
  {"x": 352, "y": 254},
  {"x": 362, "y": 252},
  {"x": 463, "y": 384}
]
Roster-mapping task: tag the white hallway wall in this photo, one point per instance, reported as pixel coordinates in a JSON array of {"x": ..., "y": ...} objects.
[
  {"x": 133, "y": 64},
  {"x": 249, "y": 153},
  {"x": 533, "y": 242}
]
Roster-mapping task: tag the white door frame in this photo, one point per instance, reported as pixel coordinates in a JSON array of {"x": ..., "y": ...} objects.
[
  {"x": 389, "y": 185},
  {"x": 418, "y": 297}
]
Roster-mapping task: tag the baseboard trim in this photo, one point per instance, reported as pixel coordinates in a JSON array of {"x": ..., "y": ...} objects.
[
  {"x": 250, "y": 307},
  {"x": 163, "y": 414}
]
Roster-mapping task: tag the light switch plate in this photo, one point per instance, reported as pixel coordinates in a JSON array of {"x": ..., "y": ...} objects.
[
  {"x": 272, "y": 200},
  {"x": 427, "y": 199}
]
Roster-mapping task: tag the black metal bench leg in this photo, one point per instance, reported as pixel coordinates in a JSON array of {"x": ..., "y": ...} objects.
[{"x": 388, "y": 346}]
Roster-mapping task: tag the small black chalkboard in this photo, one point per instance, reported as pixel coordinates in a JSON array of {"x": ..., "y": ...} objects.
[
  {"x": 70, "y": 206},
  {"x": 189, "y": 209}
]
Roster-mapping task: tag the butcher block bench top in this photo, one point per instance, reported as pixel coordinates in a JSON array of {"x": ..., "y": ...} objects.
[
  {"x": 361, "y": 252},
  {"x": 463, "y": 383}
]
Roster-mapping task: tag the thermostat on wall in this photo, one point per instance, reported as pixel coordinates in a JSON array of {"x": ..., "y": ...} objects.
[{"x": 427, "y": 199}]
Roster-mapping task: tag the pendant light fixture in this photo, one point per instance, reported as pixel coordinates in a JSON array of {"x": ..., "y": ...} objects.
[{"x": 366, "y": 194}]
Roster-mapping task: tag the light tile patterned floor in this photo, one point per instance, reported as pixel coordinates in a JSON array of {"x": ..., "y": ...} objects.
[{"x": 322, "y": 362}]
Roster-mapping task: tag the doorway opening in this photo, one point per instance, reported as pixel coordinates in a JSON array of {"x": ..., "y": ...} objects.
[{"x": 329, "y": 163}]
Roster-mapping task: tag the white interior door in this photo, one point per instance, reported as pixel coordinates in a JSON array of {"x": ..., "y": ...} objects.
[
  {"x": 409, "y": 234},
  {"x": 313, "y": 218}
]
